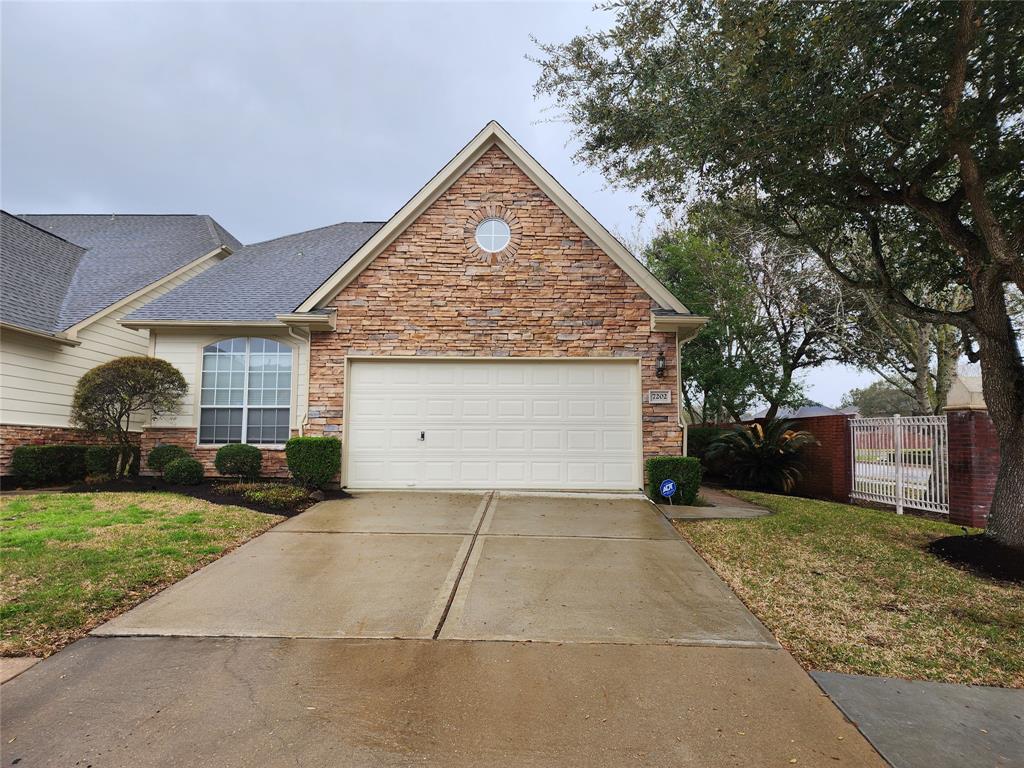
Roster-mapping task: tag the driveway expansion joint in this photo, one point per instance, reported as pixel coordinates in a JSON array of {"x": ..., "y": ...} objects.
[{"x": 485, "y": 507}]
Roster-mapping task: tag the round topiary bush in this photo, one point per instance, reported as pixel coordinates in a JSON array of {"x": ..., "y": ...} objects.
[
  {"x": 184, "y": 471},
  {"x": 163, "y": 455},
  {"x": 239, "y": 460}
]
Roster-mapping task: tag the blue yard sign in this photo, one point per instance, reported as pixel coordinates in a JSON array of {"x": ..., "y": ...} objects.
[{"x": 667, "y": 488}]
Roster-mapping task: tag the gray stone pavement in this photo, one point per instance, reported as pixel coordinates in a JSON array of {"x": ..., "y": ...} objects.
[{"x": 918, "y": 724}]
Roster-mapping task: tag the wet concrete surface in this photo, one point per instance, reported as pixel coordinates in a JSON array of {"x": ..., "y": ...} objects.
[
  {"x": 236, "y": 702},
  {"x": 309, "y": 585},
  {"x": 597, "y": 590}
]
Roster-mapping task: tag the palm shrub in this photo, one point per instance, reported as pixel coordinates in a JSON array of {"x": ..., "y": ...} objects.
[{"x": 767, "y": 456}]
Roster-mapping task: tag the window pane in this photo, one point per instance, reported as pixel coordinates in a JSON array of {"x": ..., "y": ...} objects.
[
  {"x": 268, "y": 425},
  {"x": 220, "y": 425}
]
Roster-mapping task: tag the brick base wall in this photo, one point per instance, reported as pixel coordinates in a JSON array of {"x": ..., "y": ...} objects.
[
  {"x": 274, "y": 463},
  {"x": 13, "y": 435},
  {"x": 827, "y": 470},
  {"x": 973, "y": 465}
]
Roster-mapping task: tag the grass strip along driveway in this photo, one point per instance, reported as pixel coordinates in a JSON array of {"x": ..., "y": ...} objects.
[
  {"x": 72, "y": 561},
  {"x": 848, "y": 589}
]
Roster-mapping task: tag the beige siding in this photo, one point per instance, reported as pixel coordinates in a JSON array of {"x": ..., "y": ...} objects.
[
  {"x": 38, "y": 377},
  {"x": 183, "y": 349}
]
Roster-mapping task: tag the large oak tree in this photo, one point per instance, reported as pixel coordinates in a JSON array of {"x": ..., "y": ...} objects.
[{"x": 899, "y": 123}]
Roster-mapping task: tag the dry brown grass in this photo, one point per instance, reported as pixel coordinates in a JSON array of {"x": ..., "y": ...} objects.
[{"x": 853, "y": 590}]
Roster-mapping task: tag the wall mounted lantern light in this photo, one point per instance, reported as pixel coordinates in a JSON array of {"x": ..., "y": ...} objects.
[{"x": 659, "y": 365}]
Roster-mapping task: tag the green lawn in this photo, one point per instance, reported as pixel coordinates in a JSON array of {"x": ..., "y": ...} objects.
[
  {"x": 72, "y": 561},
  {"x": 848, "y": 589}
]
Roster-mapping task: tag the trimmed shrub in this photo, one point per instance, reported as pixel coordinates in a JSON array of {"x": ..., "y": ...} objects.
[
  {"x": 685, "y": 470},
  {"x": 163, "y": 455},
  {"x": 239, "y": 460},
  {"x": 102, "y": 460},
  {"x": 48, "y": 464},
  {"x": 275, "y": 495},
  {"x": 185, "y": 471},
  {"x": 313, "y": 461}
]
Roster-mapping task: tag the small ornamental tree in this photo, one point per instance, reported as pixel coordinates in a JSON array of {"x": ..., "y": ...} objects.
[{"x": 110, "y": 395}]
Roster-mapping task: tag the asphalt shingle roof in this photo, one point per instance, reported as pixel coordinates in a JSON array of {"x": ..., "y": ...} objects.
[
  {"x": 121, "y": 254},
  {"x": 262, "y": 280},
  {"x": 36, "y": 269}
]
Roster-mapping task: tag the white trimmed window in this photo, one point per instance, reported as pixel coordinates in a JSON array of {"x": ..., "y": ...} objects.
[
  {"x": 246, "y": 392},
  {"x": 492, "y": 235}
]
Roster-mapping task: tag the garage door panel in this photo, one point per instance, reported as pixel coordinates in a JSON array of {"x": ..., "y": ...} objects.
[
  {"x": 476, "y": 408},
  {"x": 487, "y": 423}
]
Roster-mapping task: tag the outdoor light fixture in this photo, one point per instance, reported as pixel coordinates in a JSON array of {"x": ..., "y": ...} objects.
[{"x": 659, "y": 365}]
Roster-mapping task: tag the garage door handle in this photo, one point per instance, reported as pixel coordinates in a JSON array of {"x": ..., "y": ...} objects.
[{"x": 423, "y": 435}]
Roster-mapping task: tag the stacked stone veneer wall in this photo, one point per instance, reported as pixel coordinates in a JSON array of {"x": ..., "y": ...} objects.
[
  {"x": 13, "y": 435},
  {"x": 552, "y": 293},
  {"x": 274, "y": 462}
]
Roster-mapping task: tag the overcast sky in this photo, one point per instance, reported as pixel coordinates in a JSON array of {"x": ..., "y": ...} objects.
[{"x": 276, "y": 118}]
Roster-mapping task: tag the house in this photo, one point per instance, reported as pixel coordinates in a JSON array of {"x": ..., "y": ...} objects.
[
  {"x": 65, "y": 281},
  {"x": 490, "y": 334}
]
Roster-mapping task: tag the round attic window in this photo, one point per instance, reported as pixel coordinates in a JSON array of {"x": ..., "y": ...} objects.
[{"x": 492, "y": 235}]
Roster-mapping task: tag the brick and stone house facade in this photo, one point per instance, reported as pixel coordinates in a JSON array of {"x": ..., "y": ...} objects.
[{"x": 490, "y": 334}]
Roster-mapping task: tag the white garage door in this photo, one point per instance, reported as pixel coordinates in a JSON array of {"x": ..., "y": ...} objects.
[{"x": 493, "y": 424}]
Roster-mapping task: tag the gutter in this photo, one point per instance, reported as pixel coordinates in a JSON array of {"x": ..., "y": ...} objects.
[{"x": 59, "y": 338}]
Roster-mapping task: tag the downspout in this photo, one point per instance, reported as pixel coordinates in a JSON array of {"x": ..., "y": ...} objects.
[
  {"x": 679, "y": 399},
  {"x": 308, "y": 341}
]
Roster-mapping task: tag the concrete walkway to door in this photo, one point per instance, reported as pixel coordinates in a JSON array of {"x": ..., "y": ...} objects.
[{"x": 532, "y": 631}]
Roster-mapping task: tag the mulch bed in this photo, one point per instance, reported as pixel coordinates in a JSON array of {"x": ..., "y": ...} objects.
[
  {"x": 982, "y": 556},
  {"x": 211, "y": 490}
]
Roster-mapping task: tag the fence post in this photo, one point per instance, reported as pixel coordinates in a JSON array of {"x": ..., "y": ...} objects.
[{"x": 897, "y": 442}]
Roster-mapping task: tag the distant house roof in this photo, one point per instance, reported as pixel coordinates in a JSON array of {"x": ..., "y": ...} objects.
[
  {"x": 91, "y": 261},
  {"x": 36, "y": 269},
  {"x": 260, "y": 281},
  {"x": 803, "y": 412}
]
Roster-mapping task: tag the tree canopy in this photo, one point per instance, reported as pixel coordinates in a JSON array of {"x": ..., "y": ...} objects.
[
  {"x": 880, "y": 398},
  {"x": 887, "y": 138},
  {"x": 774, "y": 312}
]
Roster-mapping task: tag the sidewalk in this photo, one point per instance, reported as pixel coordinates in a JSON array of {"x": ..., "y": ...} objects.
[
  {"x": 917, "y": 724},
  {"x": 723, "y": 506}
]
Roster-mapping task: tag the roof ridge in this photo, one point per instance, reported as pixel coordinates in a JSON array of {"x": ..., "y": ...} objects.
[
  {"x": 28, "y": 223},
  {"x": 307, "y": 231},
  {"x": 113, "y": 213}
]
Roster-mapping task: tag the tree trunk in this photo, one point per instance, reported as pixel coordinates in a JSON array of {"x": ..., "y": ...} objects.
[
  {"x": 1003, "y": 385},
  {"x": 922, "y": 369},
  {"x": 947, "y": 351}
]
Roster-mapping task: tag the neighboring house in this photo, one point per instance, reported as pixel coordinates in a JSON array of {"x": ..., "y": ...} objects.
[
  {"x": 65, "y": 281},
  {"x": 490, "y": 334}
]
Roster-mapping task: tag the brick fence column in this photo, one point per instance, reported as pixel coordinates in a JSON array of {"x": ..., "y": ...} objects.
[{"x": 973, "y": 464}]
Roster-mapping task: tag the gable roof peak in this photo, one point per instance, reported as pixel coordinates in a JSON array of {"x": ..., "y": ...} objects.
[{"x": 492, "y": 134}]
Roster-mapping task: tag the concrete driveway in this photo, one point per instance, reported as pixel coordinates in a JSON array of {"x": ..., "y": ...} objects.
[
  {"x": 534, "y": 631},
  {"x": 494, "y": 566}
]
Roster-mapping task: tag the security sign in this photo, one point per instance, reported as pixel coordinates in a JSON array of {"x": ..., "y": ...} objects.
[{"x": 667, "y": 488}]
